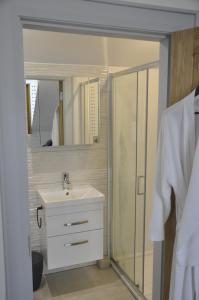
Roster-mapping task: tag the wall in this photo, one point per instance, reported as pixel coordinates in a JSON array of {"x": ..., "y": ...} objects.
[
  {"x": 2, "y": 266},
  {"x": 95, "y": 50},
  {"x": 189, "y": 5}
]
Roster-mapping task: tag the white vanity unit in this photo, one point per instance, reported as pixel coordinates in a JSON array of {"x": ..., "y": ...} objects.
[{"x": 72, "y": 230}]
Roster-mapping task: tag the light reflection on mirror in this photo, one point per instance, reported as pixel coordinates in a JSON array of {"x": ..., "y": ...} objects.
[{"x": 62, "y": 112}]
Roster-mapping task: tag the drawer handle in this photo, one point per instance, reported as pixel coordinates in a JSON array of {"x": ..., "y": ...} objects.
[
  {"x": 76, "y": 243},
  {"x": 76, "y": 223}
]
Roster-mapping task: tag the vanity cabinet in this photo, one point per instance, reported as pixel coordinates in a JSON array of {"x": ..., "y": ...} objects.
[
  {"x": 72, "y": 231},
  {"x": 72, "y": 249}
]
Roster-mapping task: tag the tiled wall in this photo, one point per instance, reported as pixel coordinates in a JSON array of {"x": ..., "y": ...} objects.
[{"x": 86, "y": 165}]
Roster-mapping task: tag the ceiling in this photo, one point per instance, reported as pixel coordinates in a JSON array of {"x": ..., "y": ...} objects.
[{"x": 66, "y": 48}]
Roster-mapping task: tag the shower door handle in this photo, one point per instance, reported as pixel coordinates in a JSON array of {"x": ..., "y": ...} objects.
[{"x": 141, "y": 185}]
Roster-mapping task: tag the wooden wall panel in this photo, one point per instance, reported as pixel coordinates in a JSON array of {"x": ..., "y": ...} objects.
[
  {"x": 184, "y": 77},
  {"x": 196, "y": 58},
  {"x": 181, "y": 64}
]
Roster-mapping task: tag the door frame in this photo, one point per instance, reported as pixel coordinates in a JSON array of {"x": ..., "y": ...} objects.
[
  {"x": 158, "y": 253},
  {"x": 66, "y": 16},
  {"x": 2, "y": 259}
]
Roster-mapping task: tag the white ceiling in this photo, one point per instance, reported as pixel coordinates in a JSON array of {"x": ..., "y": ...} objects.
[
  {"x": 189, "y": 5},
  {"x": 66, "y": 48}
]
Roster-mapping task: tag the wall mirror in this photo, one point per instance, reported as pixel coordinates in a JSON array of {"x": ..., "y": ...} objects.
[{"x": 62, "y": 112}]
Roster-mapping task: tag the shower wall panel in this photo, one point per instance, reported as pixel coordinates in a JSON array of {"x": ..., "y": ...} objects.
[{"x": 135, "y": 108}]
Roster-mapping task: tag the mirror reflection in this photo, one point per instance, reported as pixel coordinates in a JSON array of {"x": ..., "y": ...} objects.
[{"x": 62, "y": 112}]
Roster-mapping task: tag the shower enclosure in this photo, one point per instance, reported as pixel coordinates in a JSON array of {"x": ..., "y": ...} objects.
[{"x": 134, "y": 135}]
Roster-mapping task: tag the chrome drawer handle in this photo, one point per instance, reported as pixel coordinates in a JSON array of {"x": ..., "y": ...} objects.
[
  {"x": 76, "y": 243},
  {"x": 76, "y": 223}
]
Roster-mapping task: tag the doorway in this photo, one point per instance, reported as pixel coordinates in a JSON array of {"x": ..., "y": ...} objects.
[
  {"x": 84, "y": 65},
  {"x": 119, "y": 20}
]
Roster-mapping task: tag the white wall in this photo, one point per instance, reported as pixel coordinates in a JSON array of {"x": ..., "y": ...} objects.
[
  {"x": 189, "y": 5},
  {"x": 2, "y": 266},
  {"x": 86, "y": 49}
]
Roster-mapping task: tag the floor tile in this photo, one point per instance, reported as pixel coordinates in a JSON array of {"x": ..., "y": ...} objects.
[{"x": 89, "y": 283}]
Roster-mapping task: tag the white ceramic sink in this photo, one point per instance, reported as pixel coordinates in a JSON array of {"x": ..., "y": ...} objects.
[{"x": 55, "y": 198}]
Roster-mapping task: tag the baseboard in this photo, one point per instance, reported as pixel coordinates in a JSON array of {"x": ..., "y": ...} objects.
[
  {"x": 130, "y": 256},
  {"x": 104, "y": 263},
  {"x": 46, "y": 271}
]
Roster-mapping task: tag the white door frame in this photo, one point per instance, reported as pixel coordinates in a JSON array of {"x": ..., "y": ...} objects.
[
  {"x": 2, "y": 258},
  {"x": 79, "y": 15},
  {"x": 162, "y": 104}
]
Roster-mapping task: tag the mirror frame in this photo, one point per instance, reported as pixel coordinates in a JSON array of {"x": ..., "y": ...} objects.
[{"x": 35, "y": 75}]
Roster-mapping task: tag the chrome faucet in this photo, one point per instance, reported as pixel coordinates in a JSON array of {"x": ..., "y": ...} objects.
[{"x": 66, "y": 181}]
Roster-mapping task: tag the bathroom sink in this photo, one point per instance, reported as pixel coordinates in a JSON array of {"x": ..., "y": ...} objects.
[{"x": 55, "y": 198}]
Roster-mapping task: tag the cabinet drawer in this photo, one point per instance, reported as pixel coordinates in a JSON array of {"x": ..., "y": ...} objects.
[
  {"x": 74, "y": 249},
  {"x": 77, "y": 222}
]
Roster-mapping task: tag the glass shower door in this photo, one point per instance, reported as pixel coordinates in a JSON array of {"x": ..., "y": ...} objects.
[
  {"x": 124, "y": 171},
  {"x": 135, "y": 104}
]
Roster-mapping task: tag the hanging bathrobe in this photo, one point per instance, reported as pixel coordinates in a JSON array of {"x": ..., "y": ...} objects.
[{"x": 178, "y": 169}]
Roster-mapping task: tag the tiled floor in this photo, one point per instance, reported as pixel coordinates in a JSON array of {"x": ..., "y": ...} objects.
[
  {"x": 89, "y": 283},
  {"x": 127, "y": 264}
]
